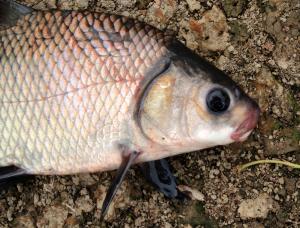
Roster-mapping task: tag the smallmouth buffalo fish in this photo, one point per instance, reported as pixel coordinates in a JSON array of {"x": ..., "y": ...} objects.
[{"x": 86, "y": 92}]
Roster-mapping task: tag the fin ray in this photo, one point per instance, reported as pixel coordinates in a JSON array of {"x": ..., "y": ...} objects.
[
  {"x": 117, "y": 182},
  {"x": 10, "y": 12},
  {"x": 10, "y": 173},
  {"x": 158, "y": 173}
]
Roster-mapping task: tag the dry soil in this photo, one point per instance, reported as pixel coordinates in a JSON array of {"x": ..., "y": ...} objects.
[{"x": 257, "y": 43}]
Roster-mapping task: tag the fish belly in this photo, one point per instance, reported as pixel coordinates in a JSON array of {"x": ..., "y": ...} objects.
[{"x": 68, "y": 81}]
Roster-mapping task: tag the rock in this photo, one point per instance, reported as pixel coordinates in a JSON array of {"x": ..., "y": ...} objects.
[
  {"x": 270, "y": 93},
  {"x": 193, "y": 5},
  {"x": 53, "y": 216},
  {"x": 239, "y": 31},
  {"x": 87, "y": 179},
  {"x": 72, "y": 222},
  {"x": 76, "y": 5},
  {"x": 253, "y": 224},
  {"x": 276, "y": 23},
  {"x": 139, "y": 221},
  {"x": 290, "y": 185},
  {"x": 211, "y": 31},
  {"x": 167, "y": 225},
  {"x": 108, "y": 5},
  {"x": 268, "y": 45},
  {"x": 42, "y": 5},
  {"x": 288, "y": 143},
  {"x": 222, "y": 62},
  {"x": 142, "y": 4},
  {"x": 258, "y": 207},
  {"x": 283, "y": 56},
  {"x": 126, "y": 3},
  {"x": 84, "y": 204},
  {"x": 194, "y": 194},
  {"x": 233, "y": 8},
  {"x": 162, "y": 11},
  {"x": 283, "y": 26},
  {"x": 24, "y": 221},
  {"x": 187, "y": 226}
]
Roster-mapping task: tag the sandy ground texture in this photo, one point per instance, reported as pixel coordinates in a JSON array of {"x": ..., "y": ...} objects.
[{"x": 256, "y": 42}]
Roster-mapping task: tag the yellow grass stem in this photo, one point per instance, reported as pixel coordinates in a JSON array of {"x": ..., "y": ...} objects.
[{"x": 266, "y": 161}]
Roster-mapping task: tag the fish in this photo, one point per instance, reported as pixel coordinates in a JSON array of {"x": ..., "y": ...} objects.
[{"x": 88, "y": 91}]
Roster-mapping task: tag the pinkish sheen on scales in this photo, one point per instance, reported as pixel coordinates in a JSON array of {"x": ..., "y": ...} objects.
[{"x": 88, "y": 92}]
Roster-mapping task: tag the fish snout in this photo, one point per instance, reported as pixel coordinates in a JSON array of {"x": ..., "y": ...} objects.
[{"x": 246, "y": 127}]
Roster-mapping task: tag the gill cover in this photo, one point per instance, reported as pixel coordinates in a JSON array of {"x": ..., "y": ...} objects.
[{"x": 161, "y": 107}]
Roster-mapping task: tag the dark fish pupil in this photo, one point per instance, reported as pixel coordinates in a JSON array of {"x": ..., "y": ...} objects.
[{"x": 217, "y": 100}]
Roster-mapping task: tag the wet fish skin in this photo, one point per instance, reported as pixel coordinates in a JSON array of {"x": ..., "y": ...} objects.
[
  {"x": 78, "y": 89},
  {"x": 67, "y": 82}
]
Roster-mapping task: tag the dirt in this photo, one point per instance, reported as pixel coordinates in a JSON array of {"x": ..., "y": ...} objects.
[{"x": 258, "y": 44}]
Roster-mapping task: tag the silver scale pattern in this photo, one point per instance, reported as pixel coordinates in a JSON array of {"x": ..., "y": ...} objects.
[{"x": 67, "y": 81}]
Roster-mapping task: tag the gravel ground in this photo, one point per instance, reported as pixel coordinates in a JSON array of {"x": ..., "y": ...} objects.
[{"x": 258, "y": 44}]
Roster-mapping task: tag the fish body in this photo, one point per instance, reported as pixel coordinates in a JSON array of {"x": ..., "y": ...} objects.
[
  {"x": 80, "y": 89},
  {"x": 68, "y": 84}
]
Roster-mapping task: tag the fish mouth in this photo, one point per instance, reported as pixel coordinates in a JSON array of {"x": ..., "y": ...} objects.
[{"x": 247, "y": 126}]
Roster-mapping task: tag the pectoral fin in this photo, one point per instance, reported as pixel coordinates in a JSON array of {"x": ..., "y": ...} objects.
[
  {"x": 158, "y": 173},
  {"x": 127, "y": 162},
  {"x": 10, "y": 174}
]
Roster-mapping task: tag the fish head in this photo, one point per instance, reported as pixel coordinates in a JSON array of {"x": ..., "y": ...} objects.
[
  {"x": 193, "y": 105},
  {"x": 219, "y": 113}
]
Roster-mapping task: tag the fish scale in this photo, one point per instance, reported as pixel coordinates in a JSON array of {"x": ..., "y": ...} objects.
[{"x": 67, "y": 84}]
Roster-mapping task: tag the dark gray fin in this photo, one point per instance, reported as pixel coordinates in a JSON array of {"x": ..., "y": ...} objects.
[
  {"x": 127, "y": 162},
  {"x": 158, "y": 173},
  {"x": 11, "y": 174},
  {"x": 11, "y": 11}
]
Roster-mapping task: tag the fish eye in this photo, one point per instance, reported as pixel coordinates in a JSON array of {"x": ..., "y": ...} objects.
[{"x": 218, "y": 100}]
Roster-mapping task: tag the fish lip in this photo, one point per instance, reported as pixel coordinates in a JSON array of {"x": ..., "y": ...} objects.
[{"x": 247, "y": 126}]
